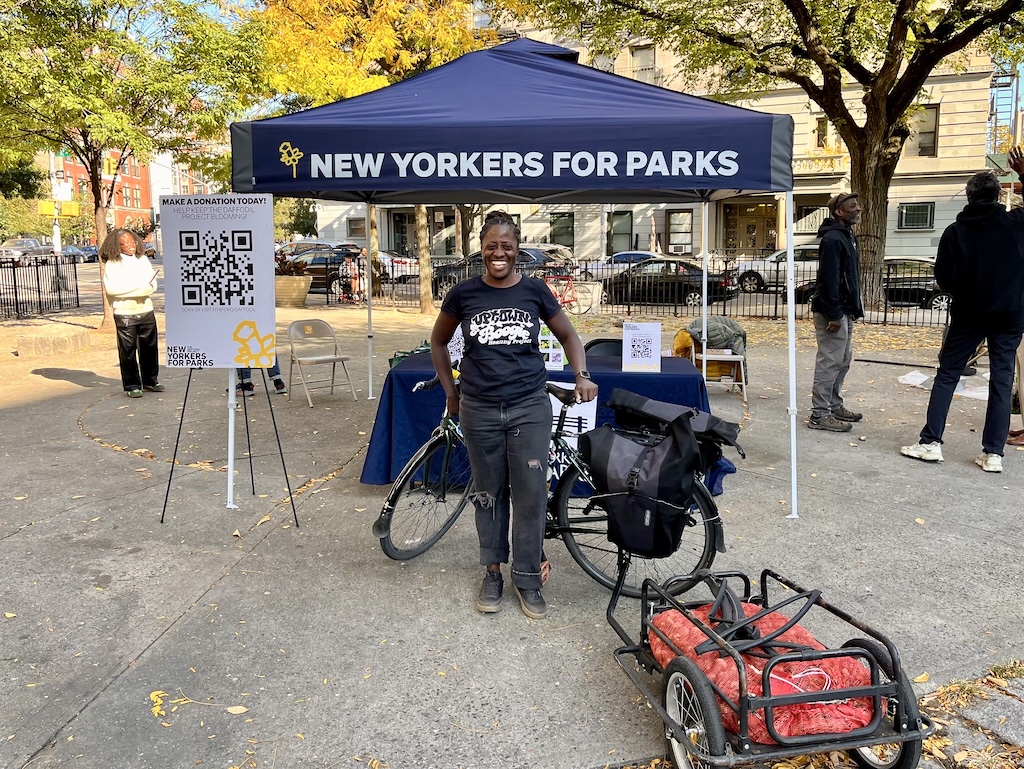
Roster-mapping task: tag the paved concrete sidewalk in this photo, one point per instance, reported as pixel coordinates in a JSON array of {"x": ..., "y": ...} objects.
[{"x": 339, "y": 655}]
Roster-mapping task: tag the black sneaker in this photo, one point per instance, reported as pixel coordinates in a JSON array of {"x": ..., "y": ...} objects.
[
  {"x": 531, "y": 602},
  {"x": 845, "y": 415},
  {"x": 280, "y": 387},
  {"x": 248, "y": 389},
  {"x": 489, "y": 598},
  {"x": 829, "y": 423}
]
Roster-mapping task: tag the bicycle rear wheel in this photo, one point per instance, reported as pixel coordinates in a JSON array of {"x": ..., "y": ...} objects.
[
  {"x": 584, "y": 300},
  {"x": 429, "y": 494},
  {"x": 584, "y": 527}
]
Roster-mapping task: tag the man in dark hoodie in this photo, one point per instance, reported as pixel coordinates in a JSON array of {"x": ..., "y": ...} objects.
[
  {"x": 980, "y": 262},
  {"x": 836, "y": 305}
]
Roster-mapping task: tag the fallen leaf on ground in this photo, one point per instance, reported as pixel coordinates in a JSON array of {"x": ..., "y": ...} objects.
[
  {"x": 922, "y": 678},
  {"x": 237, "y": 709}
]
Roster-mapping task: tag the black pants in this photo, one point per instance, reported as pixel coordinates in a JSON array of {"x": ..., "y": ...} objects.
[
  {"x": 957, "y": 348},
  {"x": 137, "y": 350}
]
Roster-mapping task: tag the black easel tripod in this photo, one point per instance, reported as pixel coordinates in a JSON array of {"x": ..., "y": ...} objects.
[{"x": 248, "y": 443}]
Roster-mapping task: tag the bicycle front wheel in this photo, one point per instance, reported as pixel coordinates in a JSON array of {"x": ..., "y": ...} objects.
[
  {"x": 584, "y": 527},
  {"x": 429, "y": 494}
]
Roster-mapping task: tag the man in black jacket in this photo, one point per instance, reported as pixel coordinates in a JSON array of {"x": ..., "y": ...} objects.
[
  {"x": 980, "y": 262},
  {"x": 836, "y": 305}
]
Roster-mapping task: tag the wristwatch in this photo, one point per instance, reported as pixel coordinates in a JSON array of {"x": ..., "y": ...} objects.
[{"x": 584, "y": 374}]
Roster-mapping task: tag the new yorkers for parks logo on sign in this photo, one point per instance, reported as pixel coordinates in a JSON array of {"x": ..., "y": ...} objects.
[{"x": 509, "y": 165}]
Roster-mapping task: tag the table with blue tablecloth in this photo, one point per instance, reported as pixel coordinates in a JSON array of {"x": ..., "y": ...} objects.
[{"x": 405, "y": 419}]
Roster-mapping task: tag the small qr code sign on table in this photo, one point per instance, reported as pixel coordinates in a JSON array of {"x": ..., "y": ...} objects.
[{"x": 641, "y": 347}]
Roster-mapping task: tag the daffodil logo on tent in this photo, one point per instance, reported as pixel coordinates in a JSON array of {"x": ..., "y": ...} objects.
[{"x": 291, "y": 156}]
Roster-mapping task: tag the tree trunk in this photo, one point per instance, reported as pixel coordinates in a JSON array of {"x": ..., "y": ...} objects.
[
  {"x": 468, "y": 214},
  {"x": 100, "y": 222},
  {"x": 423, "y": 254},
  {"x": 459, "y": 226},
  {"x": 873, "y": 165},
  {"x": 373, "y": 247}
]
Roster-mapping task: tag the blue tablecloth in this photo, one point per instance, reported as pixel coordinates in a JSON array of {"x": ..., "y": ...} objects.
[{"x": 405, "y": 419}]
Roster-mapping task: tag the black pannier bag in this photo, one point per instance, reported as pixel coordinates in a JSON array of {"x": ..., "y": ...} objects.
[
  {"x": 644, "y": 482},
  {"x": 639, "y": 413}
]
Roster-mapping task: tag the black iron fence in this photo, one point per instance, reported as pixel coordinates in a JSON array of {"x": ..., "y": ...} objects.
[
  {"x": 36, "y": 287},
  {"x": 896, "y": 292}
]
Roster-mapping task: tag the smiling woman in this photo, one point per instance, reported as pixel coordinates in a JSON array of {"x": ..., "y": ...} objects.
[{"x": 504, "y": 411}]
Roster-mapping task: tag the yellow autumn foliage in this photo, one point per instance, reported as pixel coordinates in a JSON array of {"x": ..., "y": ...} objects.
[{"x": 324, "y": 50}]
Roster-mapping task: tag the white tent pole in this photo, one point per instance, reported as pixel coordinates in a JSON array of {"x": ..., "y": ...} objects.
[
  {"x": 705, "y": 225},
  {"x": 791, "y": 334},
  {"x": 369, "y": 308},
  {"x": 231, "y": 439}
]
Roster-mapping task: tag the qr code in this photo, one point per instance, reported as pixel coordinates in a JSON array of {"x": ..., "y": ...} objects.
[
  {"x": 216, "y": 268},
  {"x": 643, "y": 348}
]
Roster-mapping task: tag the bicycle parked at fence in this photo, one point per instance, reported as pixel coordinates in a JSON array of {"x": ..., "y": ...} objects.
[
  {"x": 435, "y": 486},
  {"x": 575, "y": 298}
]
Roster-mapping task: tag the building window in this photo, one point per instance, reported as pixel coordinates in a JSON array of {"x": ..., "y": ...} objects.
[
  {"x": 642, "y": 65},
  {"x": 620, "y": 231},
  {"x": 821, "y": 132},
  {"x": 137, "y": 197},
  {"x": 563, "y": 230},
  {"x": 356, "y": 227},
  {"x": 680, "y": 232},
  {"x": 926, "y": 130},
  {"x": 916, "y": 216},
  {"x": 481, "y": 15},
  {"x": 126, "y": 197}
]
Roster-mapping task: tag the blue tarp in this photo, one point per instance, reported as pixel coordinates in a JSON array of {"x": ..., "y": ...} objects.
[{"x": 519, "y": 122}]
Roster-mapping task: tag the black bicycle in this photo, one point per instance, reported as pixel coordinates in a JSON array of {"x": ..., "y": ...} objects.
[{"x": 435, "y": 486}]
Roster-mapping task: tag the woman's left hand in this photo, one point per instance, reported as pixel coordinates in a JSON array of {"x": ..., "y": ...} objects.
[{"x": 585, "y": 390}]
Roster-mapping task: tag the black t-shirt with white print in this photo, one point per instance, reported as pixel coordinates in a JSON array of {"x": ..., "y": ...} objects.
[{"x": 501, "y": 327}]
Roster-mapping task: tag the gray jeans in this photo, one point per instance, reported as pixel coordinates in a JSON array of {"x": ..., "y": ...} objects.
[
  {"x": 835, "y": 353},
  {"x": 508, "y": 450}
]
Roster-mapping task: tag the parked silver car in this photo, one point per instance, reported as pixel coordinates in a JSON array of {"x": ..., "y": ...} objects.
[{"x": 770, "y": 271}]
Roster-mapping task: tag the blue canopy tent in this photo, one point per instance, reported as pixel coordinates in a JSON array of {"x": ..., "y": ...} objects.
[{"x": 520, "y": 122}]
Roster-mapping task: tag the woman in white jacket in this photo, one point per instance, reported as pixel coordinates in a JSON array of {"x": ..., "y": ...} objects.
[{"x": 128, "y": 281}]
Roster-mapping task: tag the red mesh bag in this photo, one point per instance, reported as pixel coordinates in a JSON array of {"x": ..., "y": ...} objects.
[{"x": 833, "y": 717}]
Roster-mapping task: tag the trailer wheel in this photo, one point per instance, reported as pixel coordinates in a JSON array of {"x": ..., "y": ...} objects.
[
  {"x": 890, "y": 755},
  {"x": 691, "y": 704}
]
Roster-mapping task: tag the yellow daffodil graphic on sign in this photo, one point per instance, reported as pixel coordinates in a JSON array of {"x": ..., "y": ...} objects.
[
  {"x": 254, "y": 349},
  {"x": 291, "y": 156}
]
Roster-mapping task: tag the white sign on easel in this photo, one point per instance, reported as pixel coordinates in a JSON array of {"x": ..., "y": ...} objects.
[
  {"x": 219, "y": 288},
  {"x": 641, "y": 347}
]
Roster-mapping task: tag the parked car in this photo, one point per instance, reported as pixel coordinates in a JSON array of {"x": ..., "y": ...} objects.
[
  {"x": 92, "y": 253},
  {"x": 912, "y": 282},
  {"x": 27, "y": 250},
  {"x": 295, "y": 247},
  {"x": 770, "y": 272},
  {"x": 402, "y": 268},
  {"x": 74, "y": 252},
  {"x": 623, "y": 260},
  {"x": 325, "y": 266},
  {"x": 534, "y": 261},
  {"x": 667, "y": 280}
]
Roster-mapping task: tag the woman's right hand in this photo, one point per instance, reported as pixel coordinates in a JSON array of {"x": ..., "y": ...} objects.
[{"x": 452, "y": 404}]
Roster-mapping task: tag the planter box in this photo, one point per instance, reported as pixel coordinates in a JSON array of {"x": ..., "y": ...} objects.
[{"x": 291, "y": 290}]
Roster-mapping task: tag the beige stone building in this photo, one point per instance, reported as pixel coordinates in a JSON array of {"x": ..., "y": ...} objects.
[{"x": 948, "y": 145}]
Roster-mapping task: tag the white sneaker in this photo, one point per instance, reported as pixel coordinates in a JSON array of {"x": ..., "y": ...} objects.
[
  {"x": 926, "y": 452},
  {"x": 990, "y": 463}
]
